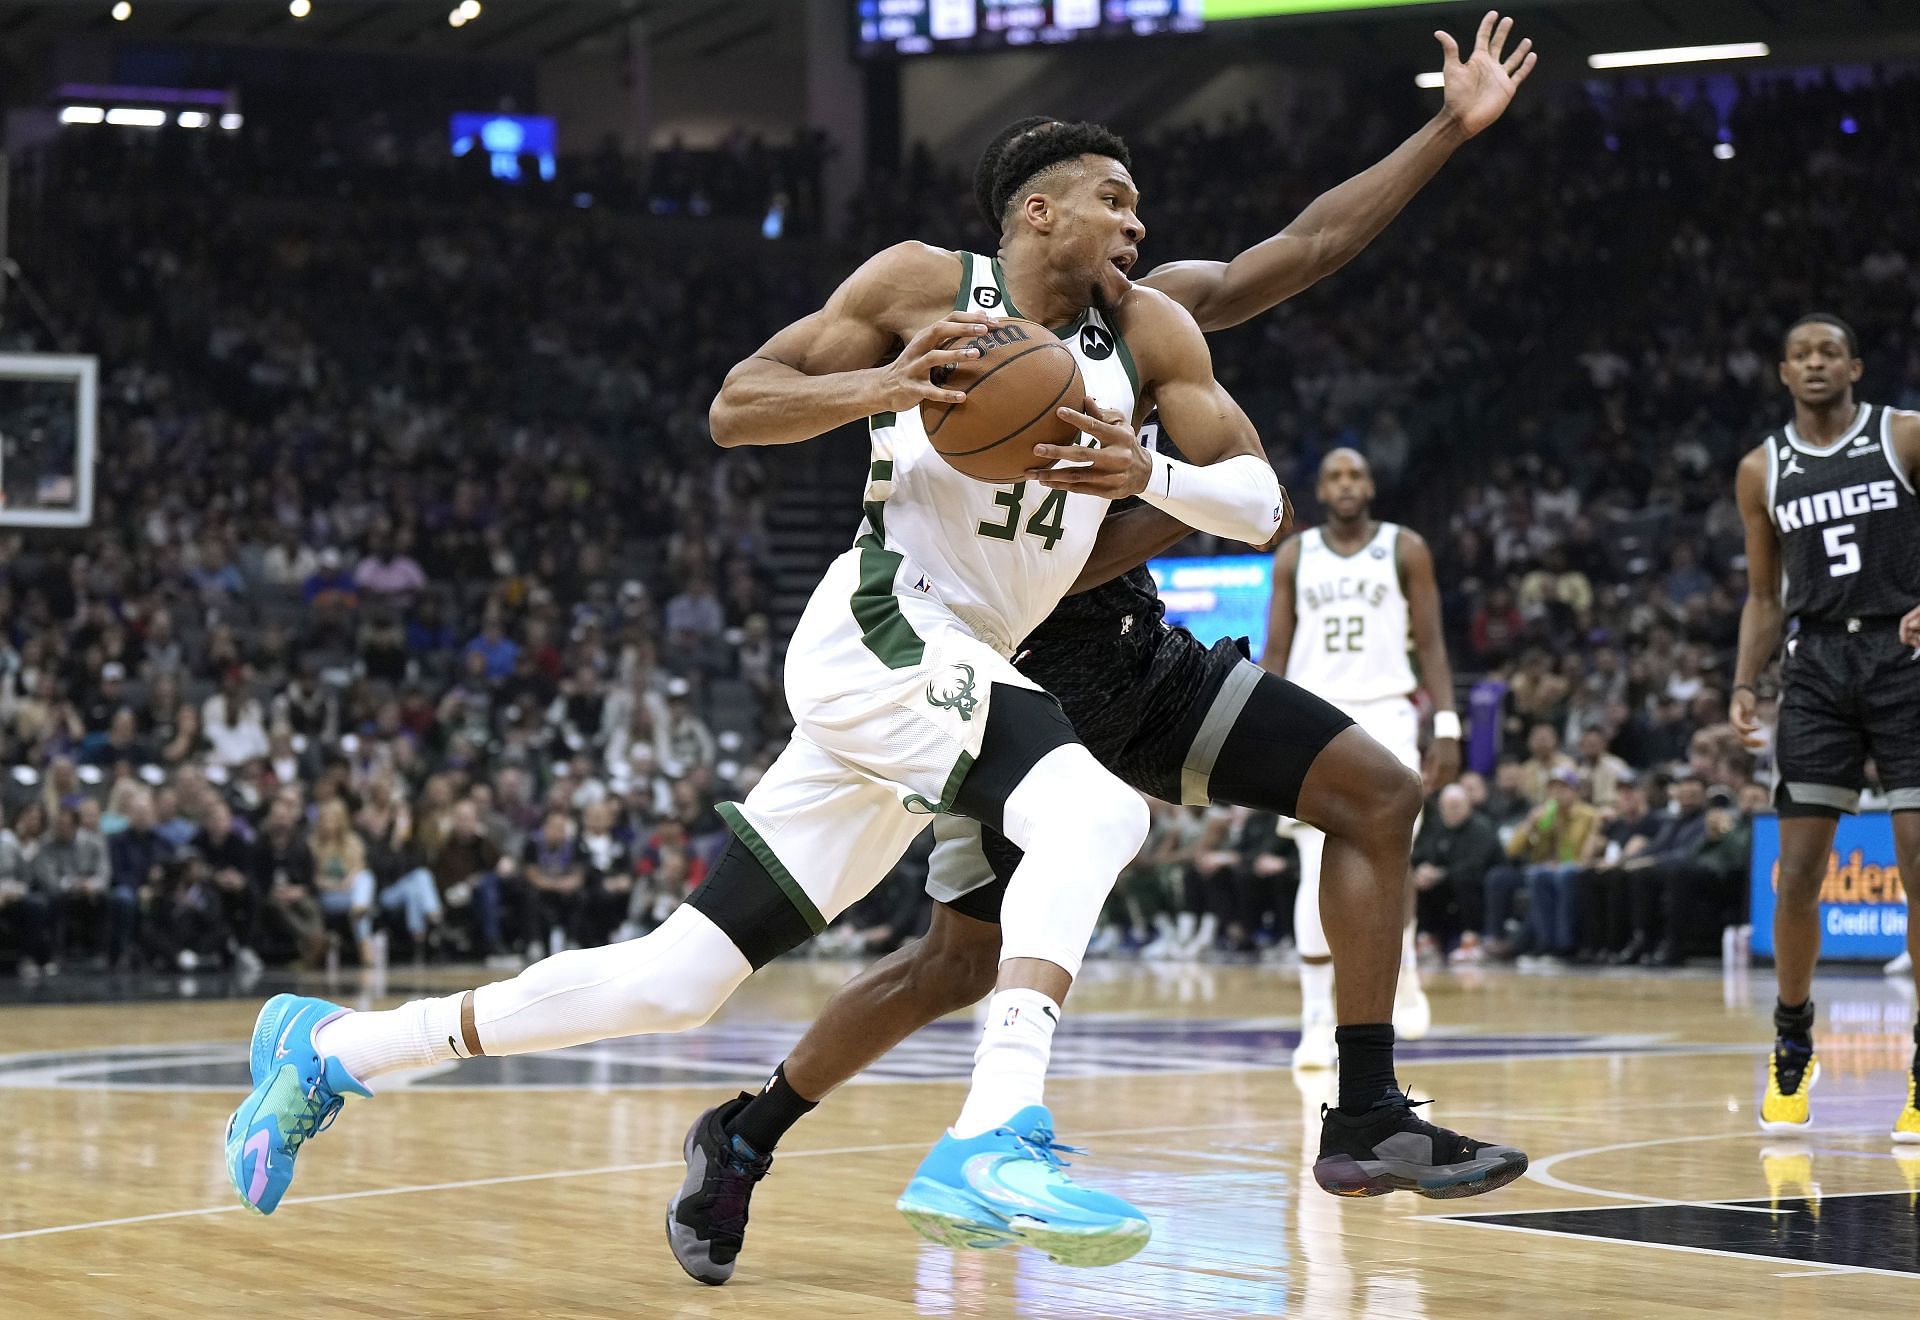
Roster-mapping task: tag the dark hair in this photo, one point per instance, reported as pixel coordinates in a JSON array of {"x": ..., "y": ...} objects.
[
  {"x": 1825, "y": 318},
  {"x": 990, "y": 158},
  {"x": 1025, "y": 157}
]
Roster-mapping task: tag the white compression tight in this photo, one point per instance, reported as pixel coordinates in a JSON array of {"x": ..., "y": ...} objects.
[
  {"x": 671, "y": 980},
  {"x": 1078, "y": 825}
]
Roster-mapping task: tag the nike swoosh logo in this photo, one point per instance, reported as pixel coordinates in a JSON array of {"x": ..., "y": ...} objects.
[
  {"x": 280, "y": 1051},
  {"x": 1049, "y": 1012},
  {"x": 257, "y": 1145},
  {"x": 1011, "y": 1181}
]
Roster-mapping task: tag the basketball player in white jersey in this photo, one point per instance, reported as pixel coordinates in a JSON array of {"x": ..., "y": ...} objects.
[
  {"x": 1347, "y": 595},
  {"x": 905, "y": 703}
]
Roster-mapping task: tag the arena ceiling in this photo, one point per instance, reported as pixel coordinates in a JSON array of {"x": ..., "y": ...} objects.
[
  {"x": 509, "y": 29},
  {"x": 532, "y": 29}
]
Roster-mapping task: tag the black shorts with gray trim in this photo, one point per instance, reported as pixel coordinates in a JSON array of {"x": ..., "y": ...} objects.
[
  {"x": 1849, "y": 693},
  {"x": 1174, "y": 719}
]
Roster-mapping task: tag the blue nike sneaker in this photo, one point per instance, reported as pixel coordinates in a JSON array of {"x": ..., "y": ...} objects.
[
  {"x": 1007, "y": 1186},
  {"x": 296, "y": 1096}
]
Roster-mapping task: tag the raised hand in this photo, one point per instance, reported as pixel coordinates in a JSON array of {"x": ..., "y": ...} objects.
[
  {"x": 1480, "y": 88},
  {"x": 1910, "y": 629}
]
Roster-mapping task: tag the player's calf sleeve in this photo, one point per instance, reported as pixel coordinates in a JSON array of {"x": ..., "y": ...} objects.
[
  {"x": 671, "y": 980},
  {"x": 1079, "y": 826}
]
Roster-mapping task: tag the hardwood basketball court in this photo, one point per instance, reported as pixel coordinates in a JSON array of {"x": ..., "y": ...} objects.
[{"x": 537, "y": 1186}]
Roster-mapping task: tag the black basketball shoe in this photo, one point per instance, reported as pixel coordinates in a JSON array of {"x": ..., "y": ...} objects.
[
  {"x": 1389, "y": 1149},
  {"x": 707, "y": 1217}
]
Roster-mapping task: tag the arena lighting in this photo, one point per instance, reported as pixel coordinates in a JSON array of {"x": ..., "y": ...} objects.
[
  {"x": 1723, "y": 151},
  {"x": 456, "y": 19},
  {"x": 1628, "y": 59},
  {"x": 231, "y": 122},
  {"x": 300, "y": 8},
  {"x": 82, "y": 114},
  {"x": 194, "y": 119},
  {"x": 1430, "y": 81},
  {"x": 122, "y": 11},
  {"x": 471, "y": 8},
  {"x": 132, "y": 117}
]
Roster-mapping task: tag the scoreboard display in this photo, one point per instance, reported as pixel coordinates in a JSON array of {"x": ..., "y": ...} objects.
[
  {"x": 924, "y": 27},
  {"x": 1218, "y": 9},
  {"x": 919, "y": 27}
]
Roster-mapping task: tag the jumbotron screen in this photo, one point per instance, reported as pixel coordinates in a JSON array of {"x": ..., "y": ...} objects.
[
  {"x": 1218, "y": 596},
  {"x": 922, "y": 27},
  {"x": 1213, "y": 10}
]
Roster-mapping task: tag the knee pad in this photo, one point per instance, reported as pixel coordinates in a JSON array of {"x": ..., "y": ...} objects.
[{"x": 743, "y": 899}]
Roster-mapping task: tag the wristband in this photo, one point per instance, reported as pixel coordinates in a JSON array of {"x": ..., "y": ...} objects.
[{"x": 1446, "y": 724}]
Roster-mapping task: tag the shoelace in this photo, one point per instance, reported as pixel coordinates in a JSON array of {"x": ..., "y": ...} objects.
[
  {"x": 727, "y": 1214},
  {"x": 1043, "y": 1147},
  {"x": 1391, "y": 1100},
  {"x": 316, "y": 1118}
]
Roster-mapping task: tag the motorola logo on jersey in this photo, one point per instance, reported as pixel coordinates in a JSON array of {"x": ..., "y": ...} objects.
[
  {"x": 1096, "y": 343},
  {"x": 1829, "y": 505},
  {"x": 987, "y": 296}
]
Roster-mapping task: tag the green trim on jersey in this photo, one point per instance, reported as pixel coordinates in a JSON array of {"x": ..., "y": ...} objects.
[
  {"x": 876, "y": 609},
  {"x": 762, "y": 853},
  {"x": 965, "y": 296},
  {"x": 1000, "y": 283},
  {"x": 1126, "y": 360}
]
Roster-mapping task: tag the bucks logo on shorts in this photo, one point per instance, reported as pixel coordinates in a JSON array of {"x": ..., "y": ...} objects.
[{"x": 958, "y": 695}]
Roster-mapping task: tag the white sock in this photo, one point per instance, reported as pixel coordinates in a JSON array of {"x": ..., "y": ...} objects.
[
  {"x": 1010, "y": 1065},
  {"x": 1316, "y": 994},
  {"x": 417, "y": 1034},
  {"x": 1409, "y": 955}
]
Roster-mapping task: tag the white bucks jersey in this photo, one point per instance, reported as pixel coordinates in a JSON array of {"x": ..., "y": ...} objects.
[
  {"x": 1000, "y": 557},
  {"x": 1350, "y": 620}
]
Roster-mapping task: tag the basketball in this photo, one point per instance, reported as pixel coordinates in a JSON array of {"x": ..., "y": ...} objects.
[{"x": 1022, "y": 376}]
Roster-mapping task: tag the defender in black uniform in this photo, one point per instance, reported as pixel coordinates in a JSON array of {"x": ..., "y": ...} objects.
[
  {"x": 1176, "y": 720},
  {"x": 1833, "y": 546}
]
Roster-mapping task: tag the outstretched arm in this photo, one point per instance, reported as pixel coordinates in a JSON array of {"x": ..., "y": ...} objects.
[
  {"x": 1764, "y": 616},
  {"x": 1340, "y": 223},
  {"x": 820, "y": 372}
]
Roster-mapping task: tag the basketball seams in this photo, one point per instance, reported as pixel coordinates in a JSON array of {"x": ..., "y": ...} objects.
[
  {"x": 1026, "y": 426},
  {"x": 998, "y": 366}
]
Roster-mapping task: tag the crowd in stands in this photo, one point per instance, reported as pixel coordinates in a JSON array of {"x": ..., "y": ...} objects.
[{"x": 417, "y": 606}]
